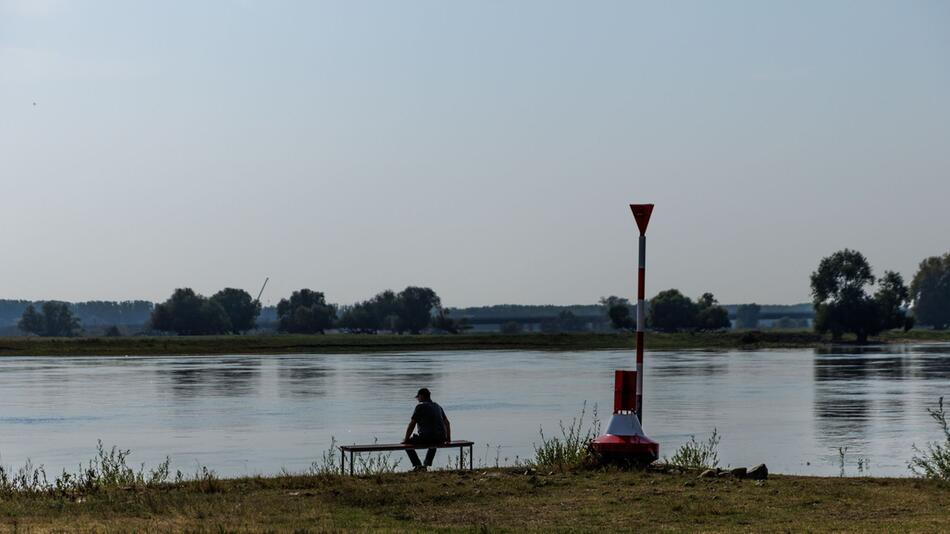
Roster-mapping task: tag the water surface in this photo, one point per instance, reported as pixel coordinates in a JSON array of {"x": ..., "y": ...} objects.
[{"x": 791, "y": 409}]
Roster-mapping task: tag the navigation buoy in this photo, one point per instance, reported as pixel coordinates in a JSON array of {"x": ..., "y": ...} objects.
[{"x": 624, "y": 439}]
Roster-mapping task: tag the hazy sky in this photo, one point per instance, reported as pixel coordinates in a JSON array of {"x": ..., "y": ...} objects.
[{"x": 487, "y": 149}]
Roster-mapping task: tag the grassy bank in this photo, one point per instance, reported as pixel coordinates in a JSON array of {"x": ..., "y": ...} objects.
[
  {"x": 362, "y": 343},
  {"x": 497, "y": 499}
]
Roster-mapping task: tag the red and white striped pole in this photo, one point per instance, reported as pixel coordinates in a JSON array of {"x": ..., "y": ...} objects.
[
  {"x": 624, "y": 439},
  {"x": 641, "y": 212}
]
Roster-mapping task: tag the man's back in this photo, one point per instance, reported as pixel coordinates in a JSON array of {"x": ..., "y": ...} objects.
[{"x": 429, "y": 418}]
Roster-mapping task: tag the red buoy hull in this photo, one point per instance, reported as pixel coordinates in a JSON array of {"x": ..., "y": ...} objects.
[{"x": 636, "y": 448}]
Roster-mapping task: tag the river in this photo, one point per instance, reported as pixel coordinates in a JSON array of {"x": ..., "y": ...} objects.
[{"x": 246, "y": 415}]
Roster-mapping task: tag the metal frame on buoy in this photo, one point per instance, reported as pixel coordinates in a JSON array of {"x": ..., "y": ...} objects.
[{"x": 624, "y": 439}]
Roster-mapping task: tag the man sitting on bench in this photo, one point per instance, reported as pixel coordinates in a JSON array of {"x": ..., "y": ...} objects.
[{"x": 433, "y": 429}]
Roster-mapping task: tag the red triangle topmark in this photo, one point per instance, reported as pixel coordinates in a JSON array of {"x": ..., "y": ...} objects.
[{"x": 642, "y": 212}]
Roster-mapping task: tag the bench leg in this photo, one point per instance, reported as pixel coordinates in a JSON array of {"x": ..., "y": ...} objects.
[
  {"x": 461, "y": 457},
  {"x": 351, "y": 463},
  {"x": 470, "y": 458},
  {"x": 342, "y": 462}
]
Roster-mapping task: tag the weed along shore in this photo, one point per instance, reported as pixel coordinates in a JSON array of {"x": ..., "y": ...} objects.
[
  {"x": 494, "y": 499},
  {"x": 363, "y": 343}
]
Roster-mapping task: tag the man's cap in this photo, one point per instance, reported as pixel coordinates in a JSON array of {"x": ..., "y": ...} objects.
[{"x": 424, "y": 393}]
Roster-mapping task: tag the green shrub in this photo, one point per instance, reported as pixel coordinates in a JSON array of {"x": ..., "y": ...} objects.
[
  {"x": 697, "y": 455},
  {"x": 572, "y": 448},
  {"x": 934, "y": 462}
]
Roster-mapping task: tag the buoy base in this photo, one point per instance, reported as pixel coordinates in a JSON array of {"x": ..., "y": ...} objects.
[{"x": 624, "y": 441}]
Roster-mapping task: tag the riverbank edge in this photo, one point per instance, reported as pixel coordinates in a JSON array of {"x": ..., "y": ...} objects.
[
  {"x": 370, "y": 343},
  {"x": 507, "y": 499}
]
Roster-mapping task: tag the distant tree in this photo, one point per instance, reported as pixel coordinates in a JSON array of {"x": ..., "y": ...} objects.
[
  {"x": 381, "y": 312},
  {"x": 930, "y": 291},
  {"x": 891, "y": 297},
  {"x": 113, "y": 331},
  {"x": 512, "y": 327},
  {"x": 620, "y": 317},
  {"x": 359, "y": 318},
  {"x": 161, "y": 319},
  {"x": 838, "y": 295},
  {"x": 842, "y": 304},
  {"x": 416, "y": 305},
  {"x": 96, "y": 312},
  {"x": 618, "y": 311},
  {"x": 306, "y": 312},
  {"x": 386, "y": 309},
  {"x": 55, "y": 319},
  {"x": 32, "y": 322},
  {"x": 670, "y": 311},
  {"x": 710, "y": 315},
  {"x": 747, "y": 315},
  {"x": 241, "y": 309},
  {"x": 442, "y": 321},
  {"x": 188, "y": 314},
  {"x": 609, "y": 302}
]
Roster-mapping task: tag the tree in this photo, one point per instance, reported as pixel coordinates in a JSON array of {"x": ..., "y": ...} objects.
[
  {"x": 710, "y": 315},
  {"x": 307, "y": 312},
  {"x": 891, "y": 297},
  {"x": 618, "y": 310},
  {"x": 442, "y": 321},
  {"x": 241, "y": 309},
  {"x": 611, "y": 301},
  {"x": 842, "y": 304},
  {"x": 747, "y": 315},
  {"x": 670, "y": 311},
  {"x": 359, "y": 318},
  {"x": 32, "y": 322},
  {"x": 415, "y": 308},
  {"x": 930, "y": 291},
  {"x": 55, "y": 319},
  {"x": 189, "y": 314}
]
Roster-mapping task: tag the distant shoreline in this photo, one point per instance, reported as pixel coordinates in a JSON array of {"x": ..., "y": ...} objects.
[{"x": 368, "y": 343}]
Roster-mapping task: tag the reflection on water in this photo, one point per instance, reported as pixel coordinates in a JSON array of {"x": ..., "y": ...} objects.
[
  {"x": 302, "y": 379},
  {"x": 195, "y": 378},
  {"x": 791, "y": 409}
]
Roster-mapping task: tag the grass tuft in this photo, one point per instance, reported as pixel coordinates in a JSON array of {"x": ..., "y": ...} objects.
[
  {"x": 572, "y": 448},
  {"x": 934, "y": 461},
  {"x": 697, "y": 455}
]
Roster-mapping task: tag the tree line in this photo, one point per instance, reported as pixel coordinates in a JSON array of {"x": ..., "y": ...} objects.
[
  {"x": 670, "y": 311},
  {"x": 840, "y": 297},
  {"x": 233, "y": 311},
  {"x": 91, "y": 313},
  {"x": 846, "y": 297}
]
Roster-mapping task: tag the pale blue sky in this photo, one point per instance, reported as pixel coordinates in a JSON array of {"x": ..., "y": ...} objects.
[{"x": 487, "y": 149}]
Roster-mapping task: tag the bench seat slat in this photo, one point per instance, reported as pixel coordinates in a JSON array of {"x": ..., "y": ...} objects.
[{"x": 376, "y": 447}]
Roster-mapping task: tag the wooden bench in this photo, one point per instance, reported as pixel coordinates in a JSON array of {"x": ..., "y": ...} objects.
[{"x": 383, "y": 447}]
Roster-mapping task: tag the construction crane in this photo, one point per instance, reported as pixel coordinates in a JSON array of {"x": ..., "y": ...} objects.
[{"x": 261, "y": 292}]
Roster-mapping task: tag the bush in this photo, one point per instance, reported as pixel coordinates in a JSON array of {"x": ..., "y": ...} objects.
[
  {"x": 572, "y": 449},
  {"x": 107, "y": 471},
  {"x": 934, "y": 462},
  {"x": 696, "y": 455}
]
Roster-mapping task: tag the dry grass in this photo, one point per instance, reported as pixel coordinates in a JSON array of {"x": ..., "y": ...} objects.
[{"x": 498, "y": 499}]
